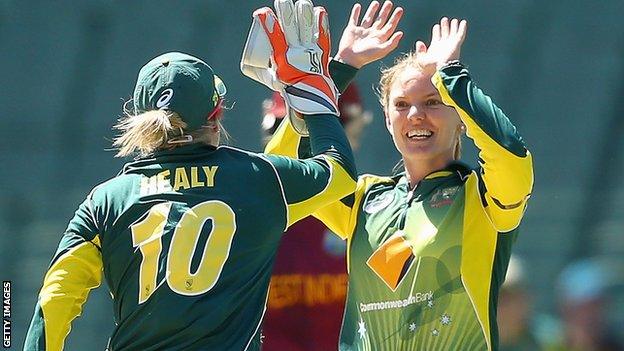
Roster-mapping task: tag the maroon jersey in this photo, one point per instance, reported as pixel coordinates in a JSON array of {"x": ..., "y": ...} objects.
[{"x": 308, "y": 290}]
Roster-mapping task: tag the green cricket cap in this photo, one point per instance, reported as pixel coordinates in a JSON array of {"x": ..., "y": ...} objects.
[{"x": 181, "y": 83}]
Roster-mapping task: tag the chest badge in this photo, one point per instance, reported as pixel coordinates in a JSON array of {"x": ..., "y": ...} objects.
[
  {"x": 443, "y": 197},
  {"x": 377, "y": 204}
]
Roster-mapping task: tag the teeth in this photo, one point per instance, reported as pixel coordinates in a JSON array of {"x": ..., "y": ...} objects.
[{"x": 419, "y": 133}]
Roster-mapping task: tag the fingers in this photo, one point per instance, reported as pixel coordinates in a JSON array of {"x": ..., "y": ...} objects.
[
  {"x": 355, "y": 14},
  {"x": 421, "y": 48},
  {"x": 305, "y": 22},
  {"x": 393, "y": 22},
  {"x": 454, "y": 25},
  {"x": 392, "y": 43},
  {"x": 461, "y": 30},
  {"x": 369, "y": 16},
  {"x": 447, "y": 28},
  {"x": 444, "y": 27},
  {"x": 382, "y": 17},
  {"x": 285, "y": 11},
  {"x": 435, "y": 33}
]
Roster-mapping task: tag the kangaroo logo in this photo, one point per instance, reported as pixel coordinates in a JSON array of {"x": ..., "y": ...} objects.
[{"x": 165, "y": 98}]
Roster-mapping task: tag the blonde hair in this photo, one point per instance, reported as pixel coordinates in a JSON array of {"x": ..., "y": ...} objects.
[
  {"x": 389, "y": 74},
  {"x": 150, "y": 131}
]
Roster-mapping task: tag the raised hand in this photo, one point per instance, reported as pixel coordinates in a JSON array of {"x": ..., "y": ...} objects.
[
  {"x": 447, "y": 38},
  {"x": 373, "y": 37}
]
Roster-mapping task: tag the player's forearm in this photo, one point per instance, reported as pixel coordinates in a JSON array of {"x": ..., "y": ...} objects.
[
  {"x": 480, "y": 109},
  {"x": 75, "y": 270},
  {"x": 342, "y": 74},
  {"x": 328, "y": 138},
  {"x": 507, "y": 164}
]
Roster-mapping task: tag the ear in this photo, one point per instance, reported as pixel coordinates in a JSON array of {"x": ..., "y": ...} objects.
[{"x": 388, "y": 122}]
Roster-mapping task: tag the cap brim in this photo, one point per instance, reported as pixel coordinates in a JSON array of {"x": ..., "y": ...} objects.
[{"x": 219, "y": 86}]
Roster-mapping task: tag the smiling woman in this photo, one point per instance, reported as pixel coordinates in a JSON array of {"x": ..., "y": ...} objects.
[
  {"x": 423, "y": 129},
  {"x": 428, "y": 248}
]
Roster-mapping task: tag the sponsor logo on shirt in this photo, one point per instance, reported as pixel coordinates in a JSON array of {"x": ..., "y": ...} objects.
[{"x": 419, "y": 297}]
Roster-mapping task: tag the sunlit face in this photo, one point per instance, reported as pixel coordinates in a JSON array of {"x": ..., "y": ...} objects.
[{"x": 422, "y": 127}]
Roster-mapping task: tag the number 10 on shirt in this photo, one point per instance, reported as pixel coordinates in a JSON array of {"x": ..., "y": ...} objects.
[{"x": 147, "y": 237}]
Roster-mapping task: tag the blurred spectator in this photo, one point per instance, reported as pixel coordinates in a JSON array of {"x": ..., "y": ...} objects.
[
  {"x": 309, "y": 283},
  {"x": 515, "y": 311},
  {"x": 582, "y": 293}
]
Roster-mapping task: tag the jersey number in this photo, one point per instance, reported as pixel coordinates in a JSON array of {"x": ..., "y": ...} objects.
[{"x": 147, "y": 236}]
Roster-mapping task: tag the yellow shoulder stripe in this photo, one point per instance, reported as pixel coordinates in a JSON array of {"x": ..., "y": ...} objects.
[
  {"x": 339, "y": 185},
  {"x": 285, "y": 141}
]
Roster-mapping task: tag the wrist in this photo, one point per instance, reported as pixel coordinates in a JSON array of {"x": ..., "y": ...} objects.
[
  {"x": 451, "y": 63},
  {"x": 348, "y": 59}
]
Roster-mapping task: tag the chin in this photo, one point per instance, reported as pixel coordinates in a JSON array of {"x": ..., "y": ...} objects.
[{"x": 425, "y": 154}]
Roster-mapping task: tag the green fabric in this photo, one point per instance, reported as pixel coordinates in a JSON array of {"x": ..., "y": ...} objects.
[
  {"x": 501, "y": 262},
  {"x": 342, "y": 74},
  {"x": 178, "y": 82},
  {"x": 480, "y": 107},
  {"x": 440, "y": 316},
  {"x": 329, "y": 139},
  {"x": 227, "y": 315},
  {"x": 35, "y": 338}
]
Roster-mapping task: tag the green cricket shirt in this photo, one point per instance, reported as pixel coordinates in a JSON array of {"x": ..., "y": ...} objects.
[
  {"x": 186, "y": 241},
  {"x": 425, "y": 264}
]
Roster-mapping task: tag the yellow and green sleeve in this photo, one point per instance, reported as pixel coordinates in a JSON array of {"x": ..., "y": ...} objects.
[
  {"x": 286, "y": 142},
  {"x": 315, "y": 182},
  {"x": 506, "y": 166},
  {"x": 75, "y": 270}
]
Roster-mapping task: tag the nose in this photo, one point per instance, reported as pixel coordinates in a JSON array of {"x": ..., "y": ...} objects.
[{"x": 415, "y": 112}]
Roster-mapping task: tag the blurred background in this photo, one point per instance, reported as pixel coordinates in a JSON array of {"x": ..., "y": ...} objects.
[{"x": 555, "y": 67}]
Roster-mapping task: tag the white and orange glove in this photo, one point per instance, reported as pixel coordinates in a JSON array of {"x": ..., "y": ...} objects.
[{"x": 297, "y": 41}]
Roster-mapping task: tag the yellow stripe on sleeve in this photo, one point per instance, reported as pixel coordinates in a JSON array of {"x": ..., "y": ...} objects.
[
  {"x": 342, "y": 219},
  {"x": 285, "y": 141},
  {"x": 339, "y": 185},
  {"x": 478, "y": 250},
  {"x": 65, "y": 289}
]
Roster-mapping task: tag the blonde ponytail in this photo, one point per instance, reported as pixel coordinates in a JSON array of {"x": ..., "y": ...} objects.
[{"x": 147, "y": 132}]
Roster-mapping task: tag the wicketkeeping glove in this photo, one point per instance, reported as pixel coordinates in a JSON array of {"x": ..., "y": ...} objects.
[{"x": 289, "y": 53}]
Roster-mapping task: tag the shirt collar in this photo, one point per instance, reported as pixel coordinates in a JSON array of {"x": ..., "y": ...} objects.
[{"x": 181, "y": 152}]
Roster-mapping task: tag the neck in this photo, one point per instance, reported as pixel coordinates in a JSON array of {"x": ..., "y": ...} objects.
[{"x": 417, "y": 170}]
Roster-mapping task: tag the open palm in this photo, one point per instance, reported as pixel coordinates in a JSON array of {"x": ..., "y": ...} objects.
[
  {"x": 447, "y": 38},
  {"x": 371, "y": 39}
]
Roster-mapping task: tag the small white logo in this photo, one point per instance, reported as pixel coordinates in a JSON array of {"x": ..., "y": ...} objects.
[
  {"x": 379, "y": 203},
  {"x": 165, "y": 97}
]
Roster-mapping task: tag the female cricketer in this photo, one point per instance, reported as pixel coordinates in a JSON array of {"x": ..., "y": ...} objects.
[
  {"x": 428, "y": 248},
  {"x": 182, "y": 234}
]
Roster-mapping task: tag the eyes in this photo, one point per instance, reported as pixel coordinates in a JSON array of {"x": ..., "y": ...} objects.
[{"x": 401, "y": 105}]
